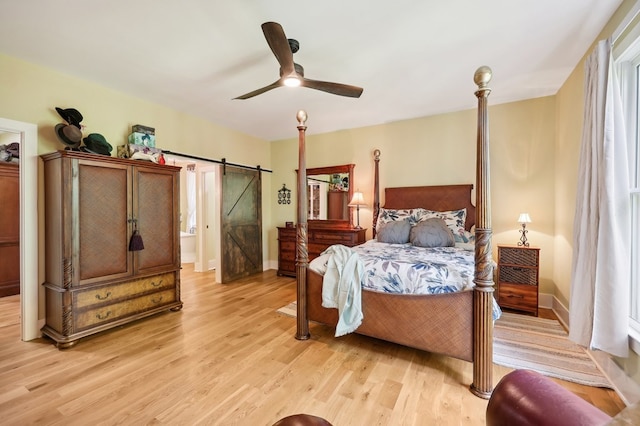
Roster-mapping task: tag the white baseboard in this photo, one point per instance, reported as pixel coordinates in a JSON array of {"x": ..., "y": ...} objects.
[
  {"x": 270, "y": 264},
  {"x": 627, "y": 389}
]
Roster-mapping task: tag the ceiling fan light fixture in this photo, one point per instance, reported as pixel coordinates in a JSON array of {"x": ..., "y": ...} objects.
[
  {"x": 292, "y": 74},
  {"x": 292, "y": 81}
]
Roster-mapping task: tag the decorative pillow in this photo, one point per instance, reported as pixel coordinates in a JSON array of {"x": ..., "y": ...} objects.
[
  {"x": 393, "y": 215},
  {"x": 467, "y": 237},
  {"x": 454, "y": 219},
  {"x": 432, "y": 232},
  {"x": 396, "y": 232}
]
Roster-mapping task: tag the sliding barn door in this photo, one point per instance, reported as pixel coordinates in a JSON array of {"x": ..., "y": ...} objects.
[{"x": 241, "y": 223}]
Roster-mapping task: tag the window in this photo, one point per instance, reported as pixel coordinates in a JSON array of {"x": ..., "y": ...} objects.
[{"x": 628, "y": 66}]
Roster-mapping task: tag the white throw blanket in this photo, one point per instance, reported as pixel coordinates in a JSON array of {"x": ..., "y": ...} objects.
[{"x": 342, "y": 289}]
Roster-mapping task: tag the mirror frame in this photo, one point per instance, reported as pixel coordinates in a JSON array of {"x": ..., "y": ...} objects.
[{"x": 334, "y": 223}]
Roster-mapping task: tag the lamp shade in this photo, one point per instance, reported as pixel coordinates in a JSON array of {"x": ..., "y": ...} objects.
[
  {"x": 357, "y": 200},
  {"x": 524, "y": 218}
]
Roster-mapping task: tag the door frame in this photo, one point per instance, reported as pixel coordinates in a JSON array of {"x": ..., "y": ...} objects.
[
  {"x": 204, "y": 207},
  {"x": 29, "y": 251}
]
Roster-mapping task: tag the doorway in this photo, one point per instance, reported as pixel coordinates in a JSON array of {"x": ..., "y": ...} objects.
[
  {"x": 208, "y": 219},
  {"x": 203, "y": 223},
  {"x": 29, "y": 299}
]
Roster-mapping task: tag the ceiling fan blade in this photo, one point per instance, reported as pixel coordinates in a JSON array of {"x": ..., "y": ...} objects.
[
  {"x": 334, "y": 88},
  {"x": 261, "y": 90},
  {"x": 279, "y": 45}
]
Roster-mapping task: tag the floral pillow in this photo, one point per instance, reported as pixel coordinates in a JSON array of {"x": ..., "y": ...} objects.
[
  {"x": 454, "y": 219},
  {"x": 394, "y": 215}
]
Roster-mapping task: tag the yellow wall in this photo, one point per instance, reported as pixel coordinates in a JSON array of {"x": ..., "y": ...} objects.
[
  {"x": 442, "y": 150},
  {"x": 30, "y": 93}
]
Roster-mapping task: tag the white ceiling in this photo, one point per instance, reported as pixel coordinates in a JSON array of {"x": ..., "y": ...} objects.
[{"x": 412, "y": 57}]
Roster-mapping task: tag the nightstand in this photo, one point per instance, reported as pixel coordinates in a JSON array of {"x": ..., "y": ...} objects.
[{"x": 518, "y": 270}]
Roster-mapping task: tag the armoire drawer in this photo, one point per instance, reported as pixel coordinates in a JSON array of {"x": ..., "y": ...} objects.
[
  {"x": 112, "y": 293},
  {"x": 92, "y": 317}
]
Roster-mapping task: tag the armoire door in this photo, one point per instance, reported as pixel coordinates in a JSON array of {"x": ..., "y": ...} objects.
[
  {"x": 99, "y": 229},
  {"x": 241, "y": 223},
  {"x": 156, "y": 203}
]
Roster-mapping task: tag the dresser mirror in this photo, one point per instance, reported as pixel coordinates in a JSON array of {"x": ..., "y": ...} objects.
[{"x": 329, "y": 190}]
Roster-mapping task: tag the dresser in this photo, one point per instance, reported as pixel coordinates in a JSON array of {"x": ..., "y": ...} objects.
[
  {"x": 10, "y": 229},
  {"x": 319, "y": 239},
  {"x": 93, "y": 280},
  {"x": 518, "y": 270}
]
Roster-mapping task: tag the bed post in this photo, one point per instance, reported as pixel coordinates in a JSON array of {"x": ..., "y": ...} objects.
[
  {"x": 376, "y": 190},
  {"x": 482, "y": 385},
  {"x": 302, "y": 254}
]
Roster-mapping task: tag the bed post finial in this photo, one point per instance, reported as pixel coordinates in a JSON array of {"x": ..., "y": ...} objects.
[
  {"x": 482, "y": 77},
  {"x": 302, "y": 117},
  {"x": 482, "y": 385},
  {"x": 302, "y": 254}
]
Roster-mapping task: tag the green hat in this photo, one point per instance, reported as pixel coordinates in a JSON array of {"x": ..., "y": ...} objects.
[{"x": 96, "y": 143}]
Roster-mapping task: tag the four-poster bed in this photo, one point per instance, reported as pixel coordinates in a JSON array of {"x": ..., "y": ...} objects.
[{"x": 458, "y": 324}]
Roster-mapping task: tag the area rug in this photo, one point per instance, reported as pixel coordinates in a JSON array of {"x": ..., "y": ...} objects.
[
  {"x": 542, "y": 345},
  {"x": 291, "y": 309}
]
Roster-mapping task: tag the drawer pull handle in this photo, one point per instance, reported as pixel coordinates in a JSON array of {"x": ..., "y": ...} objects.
[
  {"x": 156, "y": 301},
  {"x": 517, "y": 296},
  {"x": 153, "y": 283},
  {"x": 103, "y": 317},
  {"x": 103, "y": 298}
]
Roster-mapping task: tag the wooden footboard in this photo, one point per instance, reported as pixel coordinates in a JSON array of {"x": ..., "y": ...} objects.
[{"x": 438, "y": 323}]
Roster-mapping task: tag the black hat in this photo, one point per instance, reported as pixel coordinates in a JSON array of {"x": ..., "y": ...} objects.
[
  {"x": 14, "y": 149},
  {"x": 69, "y": 135},
  {"x": 71, "y": 116},
  {"x": 96, "y": 143}
]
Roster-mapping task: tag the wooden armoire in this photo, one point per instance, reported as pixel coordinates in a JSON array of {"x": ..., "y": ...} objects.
[
  {"x": 93, "y": 204},
  {"x": 10, "y": 229}
]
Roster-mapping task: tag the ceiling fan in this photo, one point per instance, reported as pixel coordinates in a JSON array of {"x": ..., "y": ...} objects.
[{"x": 292, "y": 74}]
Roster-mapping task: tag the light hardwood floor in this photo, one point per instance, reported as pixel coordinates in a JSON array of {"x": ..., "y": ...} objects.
[{"x": 229, "y": 358}]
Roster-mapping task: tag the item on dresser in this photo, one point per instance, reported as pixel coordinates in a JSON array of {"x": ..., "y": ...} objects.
[
  {"x": 143, "y": 152},
  {"x": 518, "y": 278},
  {"x": 71, "y": 115},
  {"x": 69, "y": 135},
  {"x": 93, "y": 204},
  {"x": 145, "y": 139},
  {"x": 97, "y": 144},
  {"x": 147, "y": 130}
]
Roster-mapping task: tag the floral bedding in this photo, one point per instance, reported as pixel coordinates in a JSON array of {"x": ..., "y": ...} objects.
[{"x": 407, "y": 269}]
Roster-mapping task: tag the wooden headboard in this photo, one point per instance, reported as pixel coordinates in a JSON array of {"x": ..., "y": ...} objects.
[{"x": 437, "y": 198}]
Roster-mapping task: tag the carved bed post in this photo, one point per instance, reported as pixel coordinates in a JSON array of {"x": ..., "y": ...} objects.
[
  {"x": 376, "y": 190},
  {"x": 482, "y": 385},
  {"x": 302, "y": 254}
]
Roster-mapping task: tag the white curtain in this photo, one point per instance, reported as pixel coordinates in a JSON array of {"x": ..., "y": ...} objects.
[
  {"x": 599, "y": 305},
  {"x": 191, "y": 200}
]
